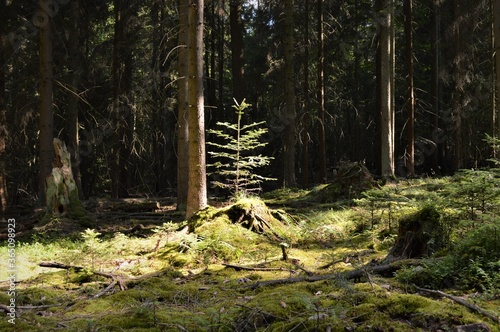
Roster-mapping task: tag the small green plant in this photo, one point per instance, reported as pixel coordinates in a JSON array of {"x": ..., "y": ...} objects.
[
  {"x": 93, "y": 246},
  {"x": 236, "y": 156}
]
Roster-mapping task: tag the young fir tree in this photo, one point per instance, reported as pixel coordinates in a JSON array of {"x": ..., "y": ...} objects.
[{"x": 236, "y": 158}]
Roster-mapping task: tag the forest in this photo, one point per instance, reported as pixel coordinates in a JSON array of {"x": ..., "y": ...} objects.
[{"x": 250, "y": 165}]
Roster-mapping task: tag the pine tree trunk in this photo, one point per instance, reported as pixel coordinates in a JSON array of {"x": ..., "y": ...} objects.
[
  {"x": 409, "y": 81},
  {"x": 496, "y": 41},
  {"x": 237, "y": 59},
  {"x": 289, "y": 114},
  {"x": 182, "y": 118},
  {"x": 321, "y": 95},
  {"x": 436, "y": 59},
  {"x": 75, "y": 67},
  {"x": 197, "y": 182},
  {"x": 386, "y": 91},
  {"x": 458, "y": 77},
  {"x": 307, "y": 104},
  {"x": 3, "y": 117},
  {"x": 46, "y": 121},
  {"x": 122, "y": 114}
]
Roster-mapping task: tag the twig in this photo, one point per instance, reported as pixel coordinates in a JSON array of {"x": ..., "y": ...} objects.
[
  {"x": 251, "y": 268},
  {"x": 461, "y": 301},
  {"x": 115, "y": 278},
  {"x": 105, "y": 290}
]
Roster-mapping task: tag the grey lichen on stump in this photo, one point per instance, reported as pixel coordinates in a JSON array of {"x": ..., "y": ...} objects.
[{"x": 61, "y": 190}]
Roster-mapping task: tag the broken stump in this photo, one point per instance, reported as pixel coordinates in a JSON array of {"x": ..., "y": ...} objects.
[{"x": 60, "y": 187}]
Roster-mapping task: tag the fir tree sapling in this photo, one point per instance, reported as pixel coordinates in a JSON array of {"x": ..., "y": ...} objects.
[{"x": 235, "y": 154}]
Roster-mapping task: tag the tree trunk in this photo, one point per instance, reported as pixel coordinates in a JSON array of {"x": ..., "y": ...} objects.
[
  {"x": 182, "y": 118},
  {"x": 321, "y": 95},
  {"x": 76, "y": 70},
  {"x": 307, "y": 105},
  {"x": 386, "y": 91},
  {"x": 122, "y": 110},
  {"x": 237, "y": 59},
  {"x": 458, "y": 78},
  {"x": 197, "y": 182},
  {"x": 289, "y": 112},
  {"x": 436, "y": 95},
  {"x": 3, "y": 118},
  {"x": 496, "y": 42},
  {"x": 409, "y": 81},
  {"x": 220, "y": 46},
  {"x": 46, "y": 120}
]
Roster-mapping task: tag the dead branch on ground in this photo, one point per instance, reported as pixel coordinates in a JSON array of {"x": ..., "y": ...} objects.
[{"x": 461, "y": 301}]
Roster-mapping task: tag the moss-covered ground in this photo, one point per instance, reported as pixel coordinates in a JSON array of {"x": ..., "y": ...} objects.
[{"x": 176, "y": 275}]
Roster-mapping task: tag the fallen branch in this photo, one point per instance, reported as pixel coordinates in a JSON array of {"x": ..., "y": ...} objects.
[
  {"x": 251, "y": 268},
  {"x": 461, "y": 301},
  {"x": 116, "y": 278},
  {"x": 386, "y": 269}
]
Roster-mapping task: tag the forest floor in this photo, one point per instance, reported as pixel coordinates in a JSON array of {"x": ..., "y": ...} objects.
[{"x": 318, "y": 264}]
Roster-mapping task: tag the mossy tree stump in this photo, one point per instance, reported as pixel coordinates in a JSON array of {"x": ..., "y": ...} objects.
[
  {"x": 420, "y": 234},
  {"x": 61, "y": 190}
]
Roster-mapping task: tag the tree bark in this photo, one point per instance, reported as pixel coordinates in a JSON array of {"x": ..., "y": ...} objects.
[
  {"x": 321, "y": 95},
  {"x": 46, "y": 120},
  {"x": 197, "y": 182},
  {"x": 496, "y": 42},
  {"x": 289, "y": 115},
  {"x": 408, "y": 4},
  {"x": 122, "y": 108},
  {"x": 386, "y": 90},
  {"x": 76, "y": 70},
  {"x": 182, "y": 111},
  {"x": 61, "y": 190},
  {"x": 436, "y": 95},
  {"x": 307, "y": 104},
  {"x": 3, "y": 117},
  {"x": 237, "y": 58},
  {"x": 458, "y": 78}
]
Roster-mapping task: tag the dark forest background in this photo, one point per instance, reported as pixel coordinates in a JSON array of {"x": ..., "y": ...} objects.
[{"x": 453, "y": 74}]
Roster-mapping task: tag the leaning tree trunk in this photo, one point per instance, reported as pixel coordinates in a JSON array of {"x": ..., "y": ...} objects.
[{"x": 61, "y": 189}]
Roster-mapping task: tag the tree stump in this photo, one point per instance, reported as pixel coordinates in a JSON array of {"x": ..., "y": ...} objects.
[
  {"x": 419, "y": 235},
  {"x": 60, "y": 187}
]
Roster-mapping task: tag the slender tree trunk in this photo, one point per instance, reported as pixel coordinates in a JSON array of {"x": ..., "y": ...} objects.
[
  {"x": 3, "y": 118},
  {"x": 182, "y": 118},
  {"x": 496, "y": 42},
  {"x": 289, "y": 113},
  {"x": 46, "y": 120},
  {"x": 386, "y": 93},
  {"x": 307, "y": 104},
  {"x": 237, "y": 59},
  {"x": 197, "y": 182},
  {"x": 321, "y": 94},
  {"x": 409, "y": 81},
  {"x": 436, "y": 59},
  {"x": 212, "y": 72},
  {"x": 121, "y": 171},
  {"x": 75, "y": 67},
  {"x": 220, "y": 47},
  {"x": 458, "y": 90}
]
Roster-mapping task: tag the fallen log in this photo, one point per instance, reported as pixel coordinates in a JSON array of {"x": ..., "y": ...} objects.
[{"x": 461, "y": 301}]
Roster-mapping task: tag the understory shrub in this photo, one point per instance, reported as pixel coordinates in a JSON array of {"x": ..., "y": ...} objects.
[{"x": 473, "y": 264}]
